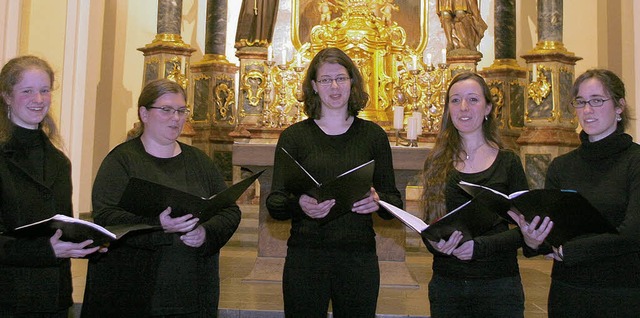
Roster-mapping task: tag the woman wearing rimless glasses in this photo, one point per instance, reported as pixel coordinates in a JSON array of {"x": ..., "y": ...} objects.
[
  {"x": 336, "y": 261},
  {"x": 166, "y": 273},
  {"x": 596, "y": 275}
]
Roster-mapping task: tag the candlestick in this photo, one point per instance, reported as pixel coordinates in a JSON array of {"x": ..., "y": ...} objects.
[
  {"x": 284, "y": 56},
  {"x": 444, "y": 56},
  {"x": 398, "y": 117},
  {"x": 412, "y": 128},
  {"x": 418, "y": 116},
  {"x": 269, "y": 53},
  {"x": 534, "y": 75}
]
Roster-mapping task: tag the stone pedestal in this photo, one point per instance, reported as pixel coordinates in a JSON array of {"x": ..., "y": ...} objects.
[
  {"x": 463, "y": 60},
  {"x": 550, "y": 120},
  {"x": 273, "y": 234},
  {"x": 507, "y": 82}
]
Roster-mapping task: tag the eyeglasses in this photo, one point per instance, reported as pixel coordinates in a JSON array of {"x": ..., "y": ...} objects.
[
  {"x": 169, "y": 111},
  {"x": 340, "y": 80},
  {"x": 595, "y": 102}
]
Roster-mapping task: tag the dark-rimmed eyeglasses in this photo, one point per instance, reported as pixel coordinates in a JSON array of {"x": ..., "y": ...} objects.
[
  {"x": 594, "y": 102},
  {"x": 340, "y": 80},
  {"x": 169, "y": 111}
]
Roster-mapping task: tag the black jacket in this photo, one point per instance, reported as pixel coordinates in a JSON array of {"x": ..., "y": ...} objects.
[{"x": 31, "y": 277}]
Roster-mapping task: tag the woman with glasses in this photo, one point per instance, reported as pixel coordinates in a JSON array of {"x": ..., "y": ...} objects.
[
  {"x": 479, "y": 276},
  {"x": 168, "y": 273},
  {"x": 35, "y": 184},
  {"x": 334, "y": 261},
  {"x": 596, "y": 275}
]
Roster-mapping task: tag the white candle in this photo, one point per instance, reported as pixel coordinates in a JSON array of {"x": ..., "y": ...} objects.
[
  {"x": 398, "y": 117},
  {"x": 298, "y": 59},
  {"x": 428, "y": 59},
  {"x": 534, "y": 74},
  {"x": 284, "y": 56},
  {"x": 418, "y": 117},
  {"x": 412, "y": 128},
  {"x": 269, "y": 53},
  {"x": 444, "y": 55},
  {"x": 414, "y": 62}
]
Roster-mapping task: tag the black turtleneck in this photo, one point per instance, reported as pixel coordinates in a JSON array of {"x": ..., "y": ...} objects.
[
  {"x": 31, "y": 143},
  {"x": 607, "y": 173}
]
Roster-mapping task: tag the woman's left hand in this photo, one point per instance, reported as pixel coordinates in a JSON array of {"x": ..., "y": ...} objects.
[
  {"x": 367, "y": 205},
  {"x": 194, "y": 238},
  {"x": 464, "y": 252},
  {"x": 557, "y": 254}
]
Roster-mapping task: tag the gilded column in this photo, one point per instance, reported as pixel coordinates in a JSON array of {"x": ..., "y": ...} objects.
[
  {"x": 550, "y": 121},
  {"x": 505, "y": 77},
  {"x": 167, "y": 56},
  {"x": 213, "y": 91}
]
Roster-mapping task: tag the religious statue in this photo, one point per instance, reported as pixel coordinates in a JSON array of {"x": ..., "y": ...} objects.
[
  {"x": 324, "y": 8},
  {"x": 385, "y": 7},
  {"x": 462, "y": 24}
]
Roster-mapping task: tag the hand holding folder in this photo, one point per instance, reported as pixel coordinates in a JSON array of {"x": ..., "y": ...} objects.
[
  {"x": 76, "y": 230},
  {"x": 571, "y": 213},
  {"x": 149, "y": 199},
  {"x": 347, "y": 188}
]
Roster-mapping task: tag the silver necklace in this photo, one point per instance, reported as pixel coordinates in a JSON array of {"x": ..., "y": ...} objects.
[{"x": 473, "y": 152}]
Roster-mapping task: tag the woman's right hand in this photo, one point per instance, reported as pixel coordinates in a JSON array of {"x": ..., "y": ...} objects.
[
  {"x": 313, "y": 209},
  {"x": 181, "y": 224},
  {"x": 64, "y": 249},
  {"x": 534, "y": 233},
  {"x": 448, "y": 246}
]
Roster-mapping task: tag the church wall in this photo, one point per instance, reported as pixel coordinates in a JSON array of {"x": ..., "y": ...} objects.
[{"x": 599, "y": 31}]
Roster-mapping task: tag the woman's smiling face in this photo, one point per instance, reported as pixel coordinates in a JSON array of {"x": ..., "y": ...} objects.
[
  {"x": 468, "y": 106},
  {"x": 30, "y": 98}
]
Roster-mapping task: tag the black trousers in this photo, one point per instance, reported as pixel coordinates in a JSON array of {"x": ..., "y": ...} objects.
[
  {"x": 313, "y": 277},
  {"x": 566, "y": 300}
]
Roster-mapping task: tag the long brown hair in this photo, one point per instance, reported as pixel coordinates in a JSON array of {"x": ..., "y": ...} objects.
[
  {"x": 312, "y": 103},
  {"x": 10, "y": 75},
  {"x": 448, "y": 151}
]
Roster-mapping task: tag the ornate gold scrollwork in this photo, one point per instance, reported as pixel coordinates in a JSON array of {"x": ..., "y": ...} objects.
[
  {"x": 253, "y": 83},
  {"x": 539, "y": 89},
  {"x": 497, "y": 99},
  {"x": 224, "y": 100}
]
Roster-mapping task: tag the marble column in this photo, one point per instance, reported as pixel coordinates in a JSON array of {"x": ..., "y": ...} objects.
[
  {"x": 550, "y": 121},
  {"x": 213, "y": 91},
  {"x": 167, "y": 56},
  {"x": 216, "y": 29},
  {"x": 505, "y": 29},
  {"x": 550, "y": 20},
  {"x": 505, "y": 77},
  {"x": 169, "y": 16}
]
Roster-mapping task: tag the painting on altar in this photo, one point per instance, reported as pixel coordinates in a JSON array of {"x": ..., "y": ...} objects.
[{"x": 411, "y": 15}]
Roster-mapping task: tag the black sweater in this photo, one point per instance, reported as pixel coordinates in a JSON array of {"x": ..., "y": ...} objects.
[
  {"x": 325, "y": 157},
  {"x": 494, "y": 253},
  {"x": 607, "y": 173}
]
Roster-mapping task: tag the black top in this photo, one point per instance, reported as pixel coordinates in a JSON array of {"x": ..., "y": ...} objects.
[
  {"x": 156, "y": 272},
  {"x": 325, "y": 157},
  {"x": 607, "y": 173},
  {"x": 495, "y": 252},
  {"x": 35, "y": 184}
]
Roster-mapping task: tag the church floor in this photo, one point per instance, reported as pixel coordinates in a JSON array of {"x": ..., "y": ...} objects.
[{"x": 239, "y": 299}]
